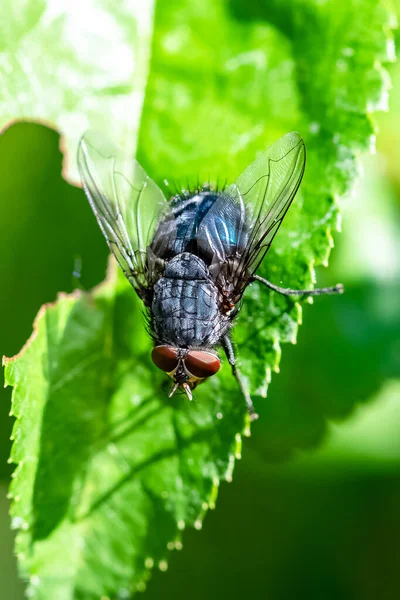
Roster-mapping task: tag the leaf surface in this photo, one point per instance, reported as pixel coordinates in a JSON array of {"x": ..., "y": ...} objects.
[
  {"x": 109, "y": 470},
  {"x": 75, "y": 66}
]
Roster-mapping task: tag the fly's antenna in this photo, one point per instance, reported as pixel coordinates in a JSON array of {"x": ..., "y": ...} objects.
[
  {"x": 188, "y": 391},
  {"x": 172, "y": 392}
]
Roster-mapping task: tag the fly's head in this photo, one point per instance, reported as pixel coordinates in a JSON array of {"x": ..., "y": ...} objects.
[{"x": 187, "y": 368}]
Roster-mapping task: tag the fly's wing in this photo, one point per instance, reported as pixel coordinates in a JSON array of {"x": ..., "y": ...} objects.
[
  {"x": 127, "y": 204},
  {"x": 239, "y": 228}
]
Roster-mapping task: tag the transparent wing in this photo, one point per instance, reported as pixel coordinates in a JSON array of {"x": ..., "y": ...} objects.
[
  {"x": 127, "y": 204},
  {"x": 239, "y": 228}
]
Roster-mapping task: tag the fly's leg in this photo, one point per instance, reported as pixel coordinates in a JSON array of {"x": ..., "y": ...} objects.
[
  {"x": 337, "y": 289},
  {"x": 228, "y": 348}
]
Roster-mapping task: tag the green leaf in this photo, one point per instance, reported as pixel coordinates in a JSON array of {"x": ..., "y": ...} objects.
[
  {"x": 75, "y": 68},
  {"x": 249, "y": 75},
  {"x": 109, "y": 470}
]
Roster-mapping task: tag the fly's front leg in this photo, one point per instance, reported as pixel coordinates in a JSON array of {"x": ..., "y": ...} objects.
[
  {"x": 228, "y": 348},
  {"x": 337, "y": 289}
]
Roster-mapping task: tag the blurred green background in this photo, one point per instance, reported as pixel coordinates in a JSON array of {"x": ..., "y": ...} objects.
[{"x": 313, "y": 511}]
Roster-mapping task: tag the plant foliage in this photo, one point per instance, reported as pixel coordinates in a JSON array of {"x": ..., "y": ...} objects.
[{"x": 109, "y": 470}]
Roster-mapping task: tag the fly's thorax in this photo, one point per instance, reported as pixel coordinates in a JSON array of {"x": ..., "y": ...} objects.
[{"x": 176, "y": 232}]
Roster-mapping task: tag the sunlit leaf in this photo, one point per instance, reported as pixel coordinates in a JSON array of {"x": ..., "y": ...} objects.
[
  {"x": 75, "y": 66},
  {"x": 109, "y": 471}
]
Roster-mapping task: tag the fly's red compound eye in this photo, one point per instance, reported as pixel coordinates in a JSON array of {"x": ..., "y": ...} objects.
[
  {"x": 165, "y": 358},
  {"x": 202, "y": 364}
]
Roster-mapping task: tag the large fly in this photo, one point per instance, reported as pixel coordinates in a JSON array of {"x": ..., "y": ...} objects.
[{"x": 191, "y": 258}]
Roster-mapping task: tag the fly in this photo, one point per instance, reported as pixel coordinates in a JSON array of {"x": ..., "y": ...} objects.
[{"x": 191, "y": 258}]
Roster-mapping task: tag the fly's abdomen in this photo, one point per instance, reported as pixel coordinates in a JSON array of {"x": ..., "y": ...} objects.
[{"x": 185, "y": 309}]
